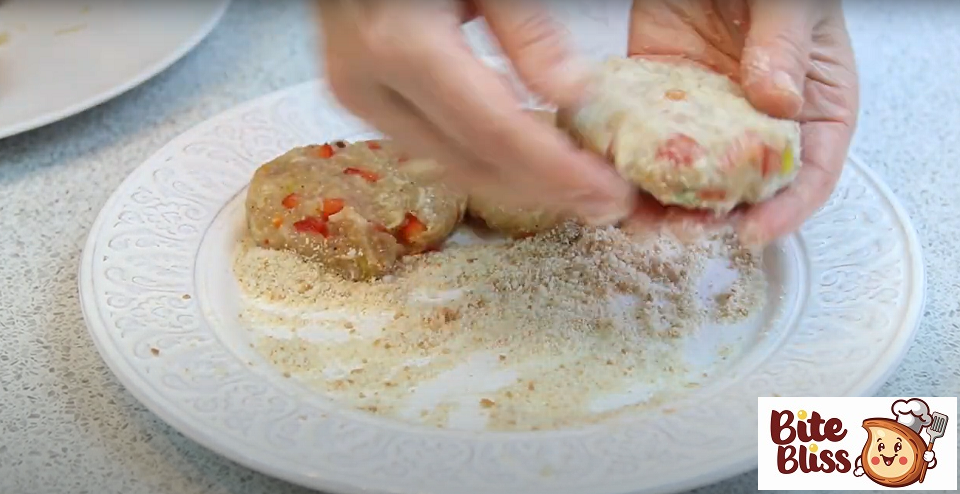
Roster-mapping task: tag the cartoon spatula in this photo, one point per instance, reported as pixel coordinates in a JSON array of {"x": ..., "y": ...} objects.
[{"x": 935, "y": 430}]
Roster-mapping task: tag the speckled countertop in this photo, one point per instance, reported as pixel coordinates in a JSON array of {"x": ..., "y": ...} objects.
[{"x": 67, "y": 425}]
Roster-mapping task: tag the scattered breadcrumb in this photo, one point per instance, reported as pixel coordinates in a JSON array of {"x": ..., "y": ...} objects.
[
  {"x": 565, "y": 317},
  {"x": 70, "y": 29}
]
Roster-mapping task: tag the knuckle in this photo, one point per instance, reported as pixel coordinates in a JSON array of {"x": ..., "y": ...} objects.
[
  {"x": 540, "y": 35},
  {"x": 829, "y": 180},
  {"x": 537, "y": 27},
  {"x": 792, "y": 44},
  {"x": 819, "y": 188},
  {"x": 540, "y": 60},
  {"x": 384, "y": 40},
  {"x": 377, "y": 40},
  {"x": 493, "y": 142},
  {"x": 343, "y": 88}
]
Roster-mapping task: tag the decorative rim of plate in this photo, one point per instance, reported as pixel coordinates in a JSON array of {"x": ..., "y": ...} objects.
[
  {"x": 464, "y": 458},
  {"x": 158, "y": 67}
]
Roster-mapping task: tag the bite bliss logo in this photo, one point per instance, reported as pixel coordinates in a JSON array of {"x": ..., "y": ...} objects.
[
  {"x": 857, "y": 443},
  {"x": 802, "y": 442}
]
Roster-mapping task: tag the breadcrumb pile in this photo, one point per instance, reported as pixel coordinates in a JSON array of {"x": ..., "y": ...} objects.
[{"x": 556, "y": 322}]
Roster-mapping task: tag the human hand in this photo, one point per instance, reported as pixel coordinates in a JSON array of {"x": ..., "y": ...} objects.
[
  {"x": 858, "y": 472},
  {"x": 406, "y": 68},
  {"x": 928, "y": 456},
  {"x": 793, "y": 59}
]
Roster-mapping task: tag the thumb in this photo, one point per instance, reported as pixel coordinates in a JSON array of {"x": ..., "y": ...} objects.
[
  {"x": 539, "y": 49},
  {"x": 776, "y": 55}
]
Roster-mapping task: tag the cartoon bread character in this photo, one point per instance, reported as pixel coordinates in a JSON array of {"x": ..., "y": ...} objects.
[{"x": 895, "y": 455}]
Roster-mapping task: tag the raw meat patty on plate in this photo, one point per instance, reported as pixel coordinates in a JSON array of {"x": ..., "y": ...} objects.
[{"x": 355, "y": 207}]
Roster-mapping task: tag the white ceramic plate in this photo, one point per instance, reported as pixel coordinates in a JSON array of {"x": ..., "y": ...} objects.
[
  {"x": 60, "y": 58},
  {"x": 161, "y": 304}
]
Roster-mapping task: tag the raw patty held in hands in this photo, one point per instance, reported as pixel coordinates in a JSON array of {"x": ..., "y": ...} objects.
[
  {"x": 686, "y": 135},
  {"x": 357, "y": 208},
  {"x": 793, "y": 59}
]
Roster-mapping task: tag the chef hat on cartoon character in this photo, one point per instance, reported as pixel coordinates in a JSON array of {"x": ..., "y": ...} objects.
[{"x": 914, "y": 413}]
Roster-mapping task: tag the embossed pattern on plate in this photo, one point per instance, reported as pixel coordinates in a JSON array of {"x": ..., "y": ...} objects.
[{"x": 864, "y": 282}]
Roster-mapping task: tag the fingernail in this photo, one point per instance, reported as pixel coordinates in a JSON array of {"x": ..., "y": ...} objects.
[
  {"x": 606, "y": 213},
  {"x": 786, "y": 85},
  {"x": 752, "y": 237},
  {"x": 603, "y": 217},
  {"x": 758, "y": 65}
]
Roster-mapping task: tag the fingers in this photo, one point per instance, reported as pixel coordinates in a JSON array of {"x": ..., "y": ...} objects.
[
  {"x": 358, "y": 48},
  {"x": 776, "y": 62},
  {"x": 663, "y": 28},
  {"x": 406, "y": 69},
  {"x": 397, "y": 118},
  {"x": 688, "y": 225},
  {"x": 825, "y": 152},
  {"x": 776, "y": 54},
  {"x": 473, "y": 106},
  {"x": 539, "y": 49}
]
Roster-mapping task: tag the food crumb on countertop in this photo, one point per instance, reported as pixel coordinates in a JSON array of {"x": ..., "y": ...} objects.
[{"x": 70, "y": 29}]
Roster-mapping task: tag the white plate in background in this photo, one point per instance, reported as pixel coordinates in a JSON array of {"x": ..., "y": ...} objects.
[{"x": 60, "y": 58}]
